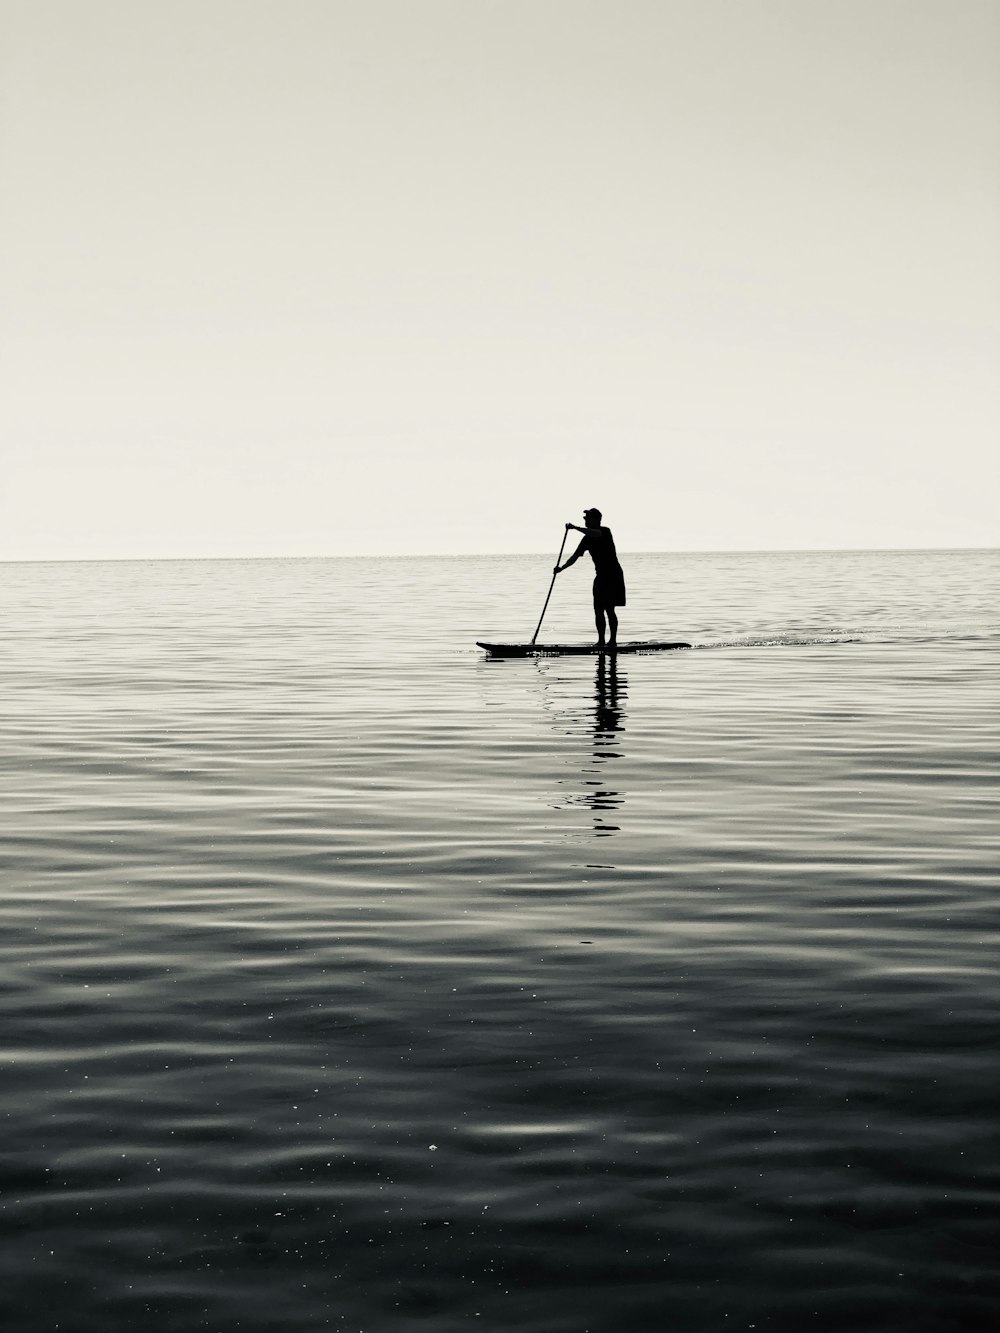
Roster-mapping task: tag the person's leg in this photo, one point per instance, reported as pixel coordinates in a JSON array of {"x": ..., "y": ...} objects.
[
  {"x": 599, "y": 621},
  {"x": 613, "y": 626}
]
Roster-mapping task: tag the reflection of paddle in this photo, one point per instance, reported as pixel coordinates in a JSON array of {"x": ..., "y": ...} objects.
[{"x": 551, "y": 586}]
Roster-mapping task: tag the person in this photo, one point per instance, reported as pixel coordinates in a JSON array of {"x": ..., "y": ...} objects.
[{"x": 609, "y": 581}]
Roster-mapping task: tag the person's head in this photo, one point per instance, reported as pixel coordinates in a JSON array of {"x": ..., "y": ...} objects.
[{"x": 592, "y": 518}]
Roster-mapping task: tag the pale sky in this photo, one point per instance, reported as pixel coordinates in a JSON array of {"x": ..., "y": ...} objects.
[{"x": 327, "y": 277}]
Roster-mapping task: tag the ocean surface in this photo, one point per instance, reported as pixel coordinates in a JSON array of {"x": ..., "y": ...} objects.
[{"x": 352, "y": 980}]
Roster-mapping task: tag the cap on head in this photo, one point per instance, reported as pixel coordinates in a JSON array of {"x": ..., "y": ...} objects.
[{"x": 595, "y": 514}]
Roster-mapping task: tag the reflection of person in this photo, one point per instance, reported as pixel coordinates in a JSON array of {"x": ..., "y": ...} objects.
[
  {"x": 607, "y": 712},
  {"x": 609, "y": 581},
  {"x": 608, "y": 736}
]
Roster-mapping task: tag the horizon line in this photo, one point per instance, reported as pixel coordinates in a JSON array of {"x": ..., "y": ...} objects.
[{"x": 478, "y": 555}]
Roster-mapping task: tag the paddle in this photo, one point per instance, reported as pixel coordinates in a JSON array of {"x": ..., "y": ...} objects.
[{"x": 551, "y": 586}]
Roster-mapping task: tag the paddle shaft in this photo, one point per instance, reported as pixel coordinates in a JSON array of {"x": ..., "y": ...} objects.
[{"x": 551, "y": 586}]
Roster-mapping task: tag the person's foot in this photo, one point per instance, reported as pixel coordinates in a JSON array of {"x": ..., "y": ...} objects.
[{"x": 600, "y": 646}]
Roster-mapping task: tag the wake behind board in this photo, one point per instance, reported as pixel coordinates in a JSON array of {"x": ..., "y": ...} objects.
[{"x": 579, "y": 649}]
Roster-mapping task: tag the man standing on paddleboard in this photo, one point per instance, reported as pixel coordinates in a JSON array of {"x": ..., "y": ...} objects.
[{"x": 609, "y": 581}]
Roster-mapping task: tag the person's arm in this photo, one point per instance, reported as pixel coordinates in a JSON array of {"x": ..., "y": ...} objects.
[{"x": 576, "y": 554}]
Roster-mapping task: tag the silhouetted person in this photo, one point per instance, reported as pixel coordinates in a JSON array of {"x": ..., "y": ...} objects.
[{"x": 609, "y": 581}]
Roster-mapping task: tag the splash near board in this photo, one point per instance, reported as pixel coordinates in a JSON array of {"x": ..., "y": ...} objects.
[{"x": 578, "y": 649}]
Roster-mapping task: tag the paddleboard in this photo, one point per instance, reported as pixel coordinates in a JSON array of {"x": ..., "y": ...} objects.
[{"x": 579, "y": 649}]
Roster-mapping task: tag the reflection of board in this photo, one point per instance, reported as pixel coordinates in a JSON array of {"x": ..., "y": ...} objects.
[{"x": 554, "y": 649}]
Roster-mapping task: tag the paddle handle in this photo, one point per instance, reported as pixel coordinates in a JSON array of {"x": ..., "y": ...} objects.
[{"x": 551, "y": 586}]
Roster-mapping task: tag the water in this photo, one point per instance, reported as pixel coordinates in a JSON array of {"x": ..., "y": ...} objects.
[{"x": 351, "y": 980}]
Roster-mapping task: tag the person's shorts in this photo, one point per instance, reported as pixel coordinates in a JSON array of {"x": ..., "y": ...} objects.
[{"x": 609, "y": 592}]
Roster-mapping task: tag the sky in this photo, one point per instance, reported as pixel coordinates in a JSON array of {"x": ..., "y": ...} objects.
[{"x": 338, "y": 277}]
